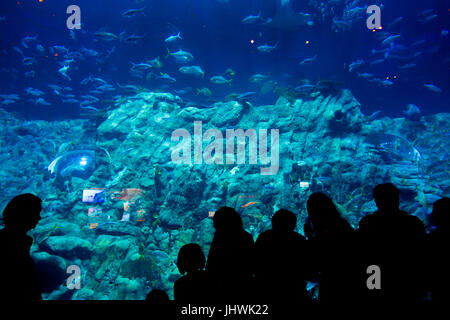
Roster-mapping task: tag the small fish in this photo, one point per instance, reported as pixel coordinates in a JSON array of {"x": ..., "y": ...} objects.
[
  {"x": 257, "y": 78},
  {"x": 220, "y": 80},
  {"x": 407, "y": 66},
  {"x": 267, "y": 48},
  {"x": 134, "y": 38},
  {"x": 433, "y": 88},
  {"x": 390, "y": 39},
  {"x": 386, "y": 83},
  {"x": 305, "y": 88},
  {"x": 192, "y": 70},
  {"x": 28, "y": 39},
  {"x": 63, "y": 71},
  {"x": 141, "y": 66},
  {"x": 42, "y": 102},
  {"x": 249, "y": 204},
  {"x": 106, "y": 36},
  {"x": 356, "y": 64},
  {"x": 60, "y": 49},
  {"x": 252, "y": 19},
  {"x": 308, "y": 60},
  {"x": 247, "y": 96},
  {"x": 365, "y": 75},
  {"x": 28, "y": 61},
  {"x": 34, "y": 92},
  {"x": 374, "y": 115},
  {"x": 180, "y": 56},
  {"x": 132, "y": 12},
  {"x": 204, "y": 92},
  {"x": 166, "y": 78},
  {"x": 89, "y": 52},
  {"x": 173, "y": 38}
]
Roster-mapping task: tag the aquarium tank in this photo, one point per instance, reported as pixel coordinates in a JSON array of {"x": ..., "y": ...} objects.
[{"x": 134, "y": 121}]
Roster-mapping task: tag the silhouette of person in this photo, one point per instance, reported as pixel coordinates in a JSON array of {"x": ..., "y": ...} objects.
[
  {"x": 159, "y": 305},
  {"x": 18, "y": 277},
  {"x": 393, "y": 241},
  {"x": 281, "y": 268},
  {"x": 437, "y": 247},
  {"x": 193, "y": 287},
  {"x": 332, "y": 244},
  {"x": 230, "y": 258}
]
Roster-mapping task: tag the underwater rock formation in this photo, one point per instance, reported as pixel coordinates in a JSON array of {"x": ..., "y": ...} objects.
[{"x": 326, "y": 144}]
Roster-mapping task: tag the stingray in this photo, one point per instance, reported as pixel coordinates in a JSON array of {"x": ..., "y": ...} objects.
[{"x": 78, "y": 163}]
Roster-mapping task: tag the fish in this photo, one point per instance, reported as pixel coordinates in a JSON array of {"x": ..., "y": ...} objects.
[
  {"x": 173, "y": 38},
  {"x": 429, "y": 18},
  {"x": 365, "y": 75},
  {"x": 247, "y": 95},
  {"x": 28, "y": 39},
  {"x": 308, "y": 60},
  {"x": 34, "y": 92},
  {"x": 390, "y": 39},
  {"x": 220, "y": 80},
  {"x": 433, "y": 88},
  {"x": 193, "y": 70},
  {"x": 377, "y": 61},
  {"x": 132, "y": 12},
  {"x": 267, "y": 48},
  {"x": 8, "y": 101},
  {"x": 106, "y": 36},
  {"x": 134, "y": 38},
  {"x": 305, "y": 88},
  {"x": 60, "y": 49},
  {"x": 28, "y": 61},
  {"x": 257, "y": 78},
  {"x": 180, "y": 56},
  {"x": 89, "y": 52},
  {"x": 356, "y": 64},
  {"x": 205, "y": 92},
  {"x": 42, "y": 102},
  {"x": 166, "y": 78},
  {"x": 141, "y": 66},
  {"x": 249, "y": 204},
  {"x": 386, "y": 83},
  {"x": 252, "y": 19},
  {"x": 374, "y": 115},
  {"x": 407, "y": 66},
  {"x": 63, "y": 71}
]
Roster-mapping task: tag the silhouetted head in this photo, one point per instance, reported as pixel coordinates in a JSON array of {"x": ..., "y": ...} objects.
[
  {"x": 190, "y": 258},
  {"x": 441, "y": 213},
  {"x": 226, "y": 219},
  {"x": 387, "y": 197},
  {"x": 284, "y": 220},
  {"x": 157, "y": 297},
  {"x": 22, "y": 213},
  {"x": 323, "y": 213}
]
